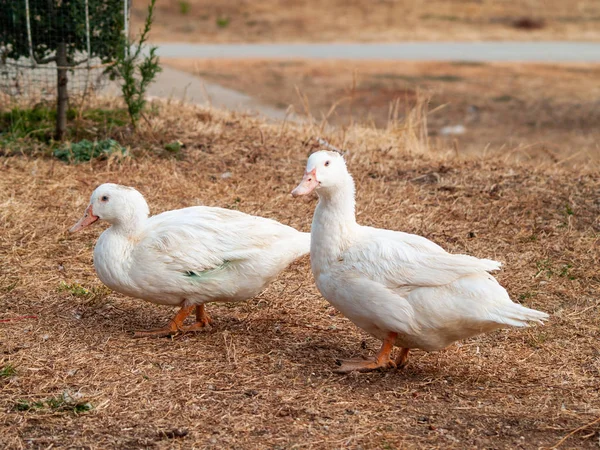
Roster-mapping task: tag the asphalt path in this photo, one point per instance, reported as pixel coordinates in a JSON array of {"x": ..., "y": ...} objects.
[
  {"x": 487, "y": 51},
  {"x": 177, "y": 85}
]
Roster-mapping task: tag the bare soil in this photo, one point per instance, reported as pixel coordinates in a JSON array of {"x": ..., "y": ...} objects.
[
  {"x": 261, "y": 377},
  {"x": 369, "y": 20}
]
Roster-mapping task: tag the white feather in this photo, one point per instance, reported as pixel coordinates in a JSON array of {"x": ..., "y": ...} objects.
[
  {"x": 197, "y": 255},
  {"x": 388, "y": 281}
]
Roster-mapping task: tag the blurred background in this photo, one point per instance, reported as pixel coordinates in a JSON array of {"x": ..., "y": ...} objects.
[
  {"x": 472, "y": 123},
  {"x": 547, "y": 111},
  {"x": 371, "y": 20}
]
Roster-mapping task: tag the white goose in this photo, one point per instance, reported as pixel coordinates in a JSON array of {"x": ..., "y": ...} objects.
[
  {"x": 399, "y": 287},
  {"x": 186, "y": 257}
]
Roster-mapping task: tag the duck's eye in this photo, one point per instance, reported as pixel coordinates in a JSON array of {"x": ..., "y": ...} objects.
[
  {"x": 326, "y": 163},
  {"x": 104, "y": 198}
]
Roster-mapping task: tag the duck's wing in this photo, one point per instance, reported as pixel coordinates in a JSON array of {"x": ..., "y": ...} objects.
[
  {"x": 199, "y": 241},
  {"x": 398, "y": 259}
]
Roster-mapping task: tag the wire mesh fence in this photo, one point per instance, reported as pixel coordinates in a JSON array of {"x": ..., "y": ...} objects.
[{"x": 44, "y": 43}]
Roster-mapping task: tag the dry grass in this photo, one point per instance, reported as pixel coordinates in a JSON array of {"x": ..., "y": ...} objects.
[
  {"x": 369, "y": 20},
  {"x": 530, "y": 111},
  {"x": 261, "y": 377}
]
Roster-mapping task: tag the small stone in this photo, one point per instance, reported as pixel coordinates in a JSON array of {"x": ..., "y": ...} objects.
[
  {"x": 453, "y": 130},
  {"x": 71, "y": 397}
]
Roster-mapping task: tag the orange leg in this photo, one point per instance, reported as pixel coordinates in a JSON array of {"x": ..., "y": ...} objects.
[
  {"x": 381, "y": 361},
  {"x": 402, "y": 358},
  {"x": 201, "y": 316},
  {"x": 202, "y": 320},
  {"x": 176, "y": 324}
]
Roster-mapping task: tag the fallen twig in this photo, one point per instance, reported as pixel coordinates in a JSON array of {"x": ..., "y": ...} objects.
[{"x": 581, "y": 428}]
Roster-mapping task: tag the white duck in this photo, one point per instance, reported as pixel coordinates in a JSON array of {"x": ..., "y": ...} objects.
[
  {"x": 186, "y": 257},
  {"x": 399, "y": 287}
]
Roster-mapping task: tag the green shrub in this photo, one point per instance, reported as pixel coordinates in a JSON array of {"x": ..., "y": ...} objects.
[
  {"x": 85, "y": 150},
  {"x": 137, "y": 69},
  {"x": 184, "y": 7},
  {"x": 174, "y": 147},
  {"x": 223, "y": 22},
  {"x": 36, "y": 122}
]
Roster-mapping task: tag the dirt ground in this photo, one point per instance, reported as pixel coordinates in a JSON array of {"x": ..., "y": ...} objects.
[
  {"x": 539, "y": 111},
  {"x": 370, "y": 20},
  {"x": 72, "y": 376}
]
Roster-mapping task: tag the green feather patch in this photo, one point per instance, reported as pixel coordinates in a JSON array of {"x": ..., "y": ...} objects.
[{"x": 200, "y": 275}]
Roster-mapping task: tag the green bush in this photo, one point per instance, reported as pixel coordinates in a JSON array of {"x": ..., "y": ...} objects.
[
  {"x": 85, "y": 150},
  {"x": 223, "y": 22},
  {"x": 184, "y": 7},
  {"x": 136, "y": 69}
]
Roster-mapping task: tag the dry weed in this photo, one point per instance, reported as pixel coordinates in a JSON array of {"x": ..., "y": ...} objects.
[
  {"x": 261, "y": 376},
  {"x": 370, "y": 21}
]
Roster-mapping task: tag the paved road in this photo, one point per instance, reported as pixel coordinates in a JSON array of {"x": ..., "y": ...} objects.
[
  {"x": 415, "y": 51},
  {"x": 173, "y": 83},
  {"x": 182, "y": 86}
]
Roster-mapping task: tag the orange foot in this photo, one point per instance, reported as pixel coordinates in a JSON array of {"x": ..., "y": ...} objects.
[
  {"x": 363, "y": 365},
  {"x": 402, "y": 359},
  {"x": 201, "y": 316},
  {"x": 381, "y": 361},
  {"x": 176, "y": 325}
]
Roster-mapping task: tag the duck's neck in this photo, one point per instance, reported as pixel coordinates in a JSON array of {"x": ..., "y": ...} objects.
[
  {"x": 334, "y": 223},
  {"x": 129, "y": 224}
]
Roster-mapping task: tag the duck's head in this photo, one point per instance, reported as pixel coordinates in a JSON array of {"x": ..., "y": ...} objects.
[
  {"x": 324, "y": 170},
  {"x": 115, "y": 204}
]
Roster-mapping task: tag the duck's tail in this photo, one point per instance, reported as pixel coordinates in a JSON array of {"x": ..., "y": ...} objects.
[
  {"x": 471, "y": 263},
  {"x": 303, "y": 244},
  {"x": 516, "y": 315},
  {"x": 490, "y": 265}
]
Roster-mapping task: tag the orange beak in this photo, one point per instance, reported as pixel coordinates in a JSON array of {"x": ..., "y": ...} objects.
[
  {"x": 87, "y": 219},
  {"x": 307, "y": 185}
]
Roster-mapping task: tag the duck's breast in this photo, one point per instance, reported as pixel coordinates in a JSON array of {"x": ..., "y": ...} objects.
[
  {"x": 114, "y": 262},
  {"x": 367, "y": 303},
  {"x": 112, "y": 256}
]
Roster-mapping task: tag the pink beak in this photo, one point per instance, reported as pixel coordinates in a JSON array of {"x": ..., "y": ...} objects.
[
  {"x": 87, "y": 219},
  {"x": 307, "y": 185}
]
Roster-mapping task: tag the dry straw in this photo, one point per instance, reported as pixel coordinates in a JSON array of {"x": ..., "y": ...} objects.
[{"x": 261, "y": 376}]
